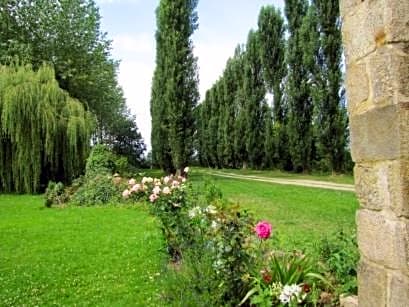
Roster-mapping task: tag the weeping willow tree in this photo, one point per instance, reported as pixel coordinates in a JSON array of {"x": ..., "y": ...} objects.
[{"x": 44, "y": 133}]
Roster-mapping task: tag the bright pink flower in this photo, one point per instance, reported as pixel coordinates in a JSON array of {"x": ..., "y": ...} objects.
[{"x": 263, "y": 229}]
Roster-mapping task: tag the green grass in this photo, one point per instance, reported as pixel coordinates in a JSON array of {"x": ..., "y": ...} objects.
[
  {"x": 112, "y": 256},
  {"x": 301, "y": 216},
  {"x": 335, "y": 178},
  {"x": 77, "y": 256}
]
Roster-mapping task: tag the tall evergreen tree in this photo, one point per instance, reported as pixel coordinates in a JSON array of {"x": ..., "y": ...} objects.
[
  {"x": 331, "y": 118},
  {"x": 298, "y": 88},
  {"x": 176, "y": 90},
  {"x": 213, "y": 127},
  {"x": 272, "y": 40},
  {"x": 240, "y": 152},
  {"x": 254, "y": 92},
  {"x": 230, "y": 87}
]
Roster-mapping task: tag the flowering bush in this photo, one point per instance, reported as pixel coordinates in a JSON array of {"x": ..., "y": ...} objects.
[
  {"x": 221, "y": 248},
  {"x": 169, "y": 202},
  {"x": 284, "y": 278}
]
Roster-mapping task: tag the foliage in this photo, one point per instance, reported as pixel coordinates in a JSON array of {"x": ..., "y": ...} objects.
[
  {"x": 279, "y": 103},
  {"x": 126, "y": 141},
  {"x": 174, "y": 86},
  {"x": 330, "y": 111},
  {"x": 340, "y": 254},
  {"x": 102, "y": 160},
  {"x": 195, "y": 229},
  {"x": 54, "y": 194},
  {"x": 97, "y": 190},
  {"x": 272, "y": 52},
  {"x": 45, "y": 132},
  {"x": 67, "y": 35},
  {"x": 288, "y": 279},
  {"x": 99, "y": 186},
  {"x": 193, "y": 282}
]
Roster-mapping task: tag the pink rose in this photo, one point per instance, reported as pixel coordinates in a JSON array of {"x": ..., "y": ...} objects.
[
  {"x": 166, "y": 190},
  {"x": 156, "y": 190},
  {"x": 126, "y": 193},
  {"x": 132, "y": 181},
  {"x": 263, "y": 229},
  {"x": 153, "y": 197},
  {"x": 136, "y": 188}
]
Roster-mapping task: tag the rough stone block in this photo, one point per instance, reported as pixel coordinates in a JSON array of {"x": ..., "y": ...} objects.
[
  {"x": 348, "y": 6},
  {"x": 360, "y": 29},
  {"x": 373, "y": 23},
  {"x": 400, "y": 200},
  {"x": 383, "y": 185},
  {"x": 357, "y": 84},
  {"x": 398, "y": 285},
  {"x": 404, "y": 128},
  {"x": 396, "y": 16},
  {"x": 371, "y": 285},
  {"x": 389, "y": 73},
  {"x": 375, "y": 134},
  {"x": 371, "y": 185},
  {"x": 382, "y": 240}
]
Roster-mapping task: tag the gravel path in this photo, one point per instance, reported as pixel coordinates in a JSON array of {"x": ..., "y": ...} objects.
[{"x": 298, "y": 182}]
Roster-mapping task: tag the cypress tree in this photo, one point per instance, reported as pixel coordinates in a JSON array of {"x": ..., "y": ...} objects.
[
  {"x": 272, "y": 41},
  {"x": 45, "y": 134},
  {"x": 230, "y": 87},
  {"x": 205, "y": 116},
  {"x": 331, "y": 118},
  {"x": 240, "y": 152},
  {"x": 298, "y": 89},
  {"x": 254, "y": 92},
  {"x": 221, "y": 114},
  {"x": 269, "y": 136},
  {"x": 213, "y": 127},
  {"x": 176, "y": 90}
]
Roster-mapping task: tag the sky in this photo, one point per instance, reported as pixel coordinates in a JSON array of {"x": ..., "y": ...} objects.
[{"x": 131, "y": 25}]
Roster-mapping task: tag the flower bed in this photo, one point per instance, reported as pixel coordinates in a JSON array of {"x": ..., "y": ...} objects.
[{"x": 244, "y": 270}]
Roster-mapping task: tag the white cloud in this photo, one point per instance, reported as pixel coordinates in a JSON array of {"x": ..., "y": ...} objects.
[
  {"x": 141, "y": 43},
  {"x": 212, "y": 58},
  {"x": 135, "y": 77},
  {"x": 117, "y": 1}
]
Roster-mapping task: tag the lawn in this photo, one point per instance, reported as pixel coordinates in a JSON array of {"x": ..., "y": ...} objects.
[
  {"x": 113, "y": 256},
  {"x": 301, "y": 216},
  {"x": 77, "y": 256}
]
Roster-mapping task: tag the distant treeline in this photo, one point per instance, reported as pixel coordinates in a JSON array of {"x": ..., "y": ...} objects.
[{"x": 280, "y": 100}]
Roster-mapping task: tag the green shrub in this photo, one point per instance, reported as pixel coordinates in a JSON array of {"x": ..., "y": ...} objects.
[
  {"x": 55, "y": 194},
  {"x": 103, "y": 160},
  {"x": 193, "y": 282},
  {"x": 339, "y": 252},
  {"x": 99, "y": 190}
]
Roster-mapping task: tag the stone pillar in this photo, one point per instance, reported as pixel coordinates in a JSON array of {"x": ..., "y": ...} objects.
[{"x": 376, "y": 41}]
